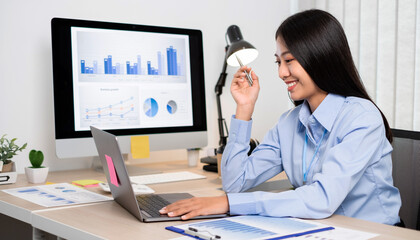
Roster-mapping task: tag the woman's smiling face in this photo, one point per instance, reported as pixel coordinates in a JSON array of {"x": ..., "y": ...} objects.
[{"x": 299, "y": 84}]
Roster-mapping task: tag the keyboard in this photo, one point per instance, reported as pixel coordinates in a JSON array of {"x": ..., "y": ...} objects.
[
  {"x": 152, "y": 204},
  {"x": 165, "y": 177}
]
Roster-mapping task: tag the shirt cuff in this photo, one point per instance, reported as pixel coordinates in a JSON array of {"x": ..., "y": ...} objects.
[
  {"x": 242, "y": 203},
  {"x": 240, "y": 130}
]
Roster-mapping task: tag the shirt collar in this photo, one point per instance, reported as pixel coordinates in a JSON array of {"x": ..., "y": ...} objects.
[{"x": 326, "y": 112}]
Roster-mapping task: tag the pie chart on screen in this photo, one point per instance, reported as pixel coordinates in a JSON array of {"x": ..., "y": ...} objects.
[
  {"x": 150, "y": 107},
  {"x": 171, "y": 107}
]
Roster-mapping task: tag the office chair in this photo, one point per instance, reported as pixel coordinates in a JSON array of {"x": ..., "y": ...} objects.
[{"x": 406, "y": 174}]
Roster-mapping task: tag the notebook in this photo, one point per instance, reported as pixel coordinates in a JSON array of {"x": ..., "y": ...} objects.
[{"x": 143, "y": 207}]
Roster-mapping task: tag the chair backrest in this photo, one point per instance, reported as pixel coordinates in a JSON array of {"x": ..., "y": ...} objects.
[{"x": 406, "y": 174}]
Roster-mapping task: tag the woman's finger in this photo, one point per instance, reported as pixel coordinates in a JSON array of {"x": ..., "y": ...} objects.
[
  {"x": 178, "y": 208},
  {"x": 190, "y": 215}
]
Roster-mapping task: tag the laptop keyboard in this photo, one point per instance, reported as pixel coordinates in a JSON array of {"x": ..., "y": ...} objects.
[{"x": 152, "y": 204}]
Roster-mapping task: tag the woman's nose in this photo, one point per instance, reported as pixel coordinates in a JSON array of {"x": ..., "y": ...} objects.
[{"x": 283, "y": 71}]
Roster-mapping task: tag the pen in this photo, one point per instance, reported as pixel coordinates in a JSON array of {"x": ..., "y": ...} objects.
[
  {"x": 197, "y": 233},
  {"x": 247, "y": 75}
]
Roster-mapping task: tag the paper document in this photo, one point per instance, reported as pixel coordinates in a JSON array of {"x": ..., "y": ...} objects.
[
  {"x": 59, "y": 194},
  {"x": 339, "y": 234},
  {"x": 250, "y": 227}
]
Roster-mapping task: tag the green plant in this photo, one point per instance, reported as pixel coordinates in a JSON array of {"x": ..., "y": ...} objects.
[
  {"x": 193, "y": 149},
  {"x": 8, "y": 149},
  {"x": 36, "y": 158}
]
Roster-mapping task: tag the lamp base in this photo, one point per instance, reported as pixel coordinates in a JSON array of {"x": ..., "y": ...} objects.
[
  {"x": 210, "y": 168},
  {"x": 211, "y": 163},
  {"x": 210, "y": 160}
]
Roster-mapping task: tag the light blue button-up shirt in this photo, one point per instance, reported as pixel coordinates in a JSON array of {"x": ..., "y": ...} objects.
[{"x": 351, "y": 173}]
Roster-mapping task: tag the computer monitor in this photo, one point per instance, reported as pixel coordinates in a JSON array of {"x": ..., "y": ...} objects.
[{"x": 130, "y": 80}]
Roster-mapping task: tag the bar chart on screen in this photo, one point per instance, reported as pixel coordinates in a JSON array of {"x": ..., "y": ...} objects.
[
  {"x": 168, "y": 62},
  {"x": 98, "y": 54}
]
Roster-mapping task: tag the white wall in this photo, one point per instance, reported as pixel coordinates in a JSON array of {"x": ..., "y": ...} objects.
[{"x": 26, "y": 93}]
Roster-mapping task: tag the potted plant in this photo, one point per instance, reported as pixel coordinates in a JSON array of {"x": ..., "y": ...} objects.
[
  {"x": 36, "y": 173},
  {"x": 8, "y": 149}
]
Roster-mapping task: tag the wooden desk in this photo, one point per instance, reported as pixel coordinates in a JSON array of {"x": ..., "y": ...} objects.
[
  {"x": 108, "y": 220},
  {"x": 16, "y": 213},
  {"x": 111, "y": 221}
]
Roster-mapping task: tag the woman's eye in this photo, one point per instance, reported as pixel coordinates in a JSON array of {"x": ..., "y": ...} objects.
[
  {"x": 277, "y": 62},
  {"x": 289, "y": 60}
]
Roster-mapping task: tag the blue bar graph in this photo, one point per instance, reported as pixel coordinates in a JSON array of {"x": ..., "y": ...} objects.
[
  {"x": 82, "y": 66},
  {"x": 106, "y": 65},
  {"x": 118, "y": 68},
  {"x": 128, "y": 67},
  {"x": 84, "y": 69},
  {"x": 109, "y": 64},
  {"x": 174, "y": 62},
  {"x": 160, "y": 63},
  {"x": 149, "y": 68},
  {"x": 170, "y": 61},
  {"x": 135, "y": 69},
  {"x": 95, "y": 67},
  {"x": 157, "y": 66},
  {"x": 139, "y": 65}
]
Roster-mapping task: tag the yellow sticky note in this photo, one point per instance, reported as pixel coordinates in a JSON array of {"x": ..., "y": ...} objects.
[
  {"x": 140, "y": 147},
  {"x": 86, "y": 182}
]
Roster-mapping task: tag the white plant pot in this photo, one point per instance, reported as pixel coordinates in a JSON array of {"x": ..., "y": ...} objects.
[{"x": 36, "y": 175}]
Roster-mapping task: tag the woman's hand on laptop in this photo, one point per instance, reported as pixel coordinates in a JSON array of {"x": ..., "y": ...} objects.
[{"x": 196, "y": 206}]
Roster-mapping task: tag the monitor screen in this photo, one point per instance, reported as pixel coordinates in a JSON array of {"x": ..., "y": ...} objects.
[{"x": 130, "y": 80}]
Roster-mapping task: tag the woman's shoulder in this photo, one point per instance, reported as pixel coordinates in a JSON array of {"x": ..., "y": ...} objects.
[
  {"x": 292, "y": 113},
  {"x": 360, "y": 111},
  {"x": 359, "y": 105}
]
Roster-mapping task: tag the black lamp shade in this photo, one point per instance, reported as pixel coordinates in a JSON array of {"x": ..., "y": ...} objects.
[{"x": 238, "y": 46}]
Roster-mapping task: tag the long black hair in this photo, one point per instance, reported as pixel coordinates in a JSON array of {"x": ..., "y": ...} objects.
[{"x": 318, "y": 42}]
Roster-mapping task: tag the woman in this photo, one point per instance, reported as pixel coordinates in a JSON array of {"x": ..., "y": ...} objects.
[{"x": 334, "y": 145}]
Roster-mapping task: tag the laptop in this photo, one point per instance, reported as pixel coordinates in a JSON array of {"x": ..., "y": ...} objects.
[{"x": 143, "y": 207}]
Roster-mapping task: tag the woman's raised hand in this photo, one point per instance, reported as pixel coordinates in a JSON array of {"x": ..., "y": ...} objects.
[{"x": 244, "y": 95}]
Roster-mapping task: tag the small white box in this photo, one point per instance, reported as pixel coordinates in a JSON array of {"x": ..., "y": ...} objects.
[{"x": 8, "y": 177}]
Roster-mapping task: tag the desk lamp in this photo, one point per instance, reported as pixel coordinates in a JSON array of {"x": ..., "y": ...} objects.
[{"x": 238, "y": 51}]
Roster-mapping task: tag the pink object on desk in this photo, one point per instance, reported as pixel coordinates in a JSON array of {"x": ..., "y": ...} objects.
[{"x": 111, "y": 169}]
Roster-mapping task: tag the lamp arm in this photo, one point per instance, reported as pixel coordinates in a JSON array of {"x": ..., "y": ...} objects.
[
  {"x": 221, "y": 123},
  {"x": 219, "y": 90},
  {"x": 222, "y": 78}
]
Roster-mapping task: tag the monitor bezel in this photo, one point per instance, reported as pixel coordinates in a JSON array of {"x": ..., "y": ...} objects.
[{"x": 63, "y": 77}]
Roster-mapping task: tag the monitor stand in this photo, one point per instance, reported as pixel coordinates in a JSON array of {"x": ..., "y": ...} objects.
[{"x": 133, "y": 170}]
